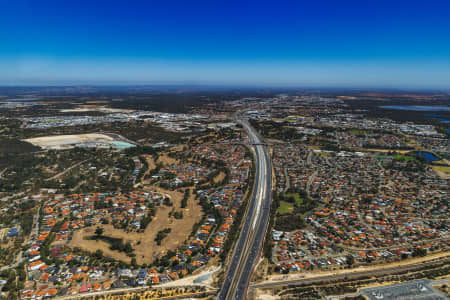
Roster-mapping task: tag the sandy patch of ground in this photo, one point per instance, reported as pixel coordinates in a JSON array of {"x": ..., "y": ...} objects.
[
  {"x": 166, "y": 160},
  {"x": 219, "y": 177},
  {"x": 150, "y": 162},
  {"x": 265, "y": 295},
  {"x": 86, "y": 108},
  {"x": 178, "y": 148},
  {"x": 3, "y": 232},
  {"x": 92, "y": 246},
  {"x": 389, "y": 150},
  {"x": 61, "y": 141},
  {"x": 442, "y": 171},
  {"x": 191, "y": 280},
  {"x": 7, "y": 245},
  {"x": 314, "y": 148},
  {"x": 147, "y": 250}
]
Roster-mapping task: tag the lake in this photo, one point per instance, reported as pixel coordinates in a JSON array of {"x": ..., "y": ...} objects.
[
  {"x": 417, "y": 107},
  {"x": 122, "y": 145},
  {"x": 429, "y": 157},
  {"x": 422, "y": 108},
  {"x": 438, "y": 117}
]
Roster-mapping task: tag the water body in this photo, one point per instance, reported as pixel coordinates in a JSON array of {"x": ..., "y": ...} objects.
[
  {"x": 107, "y": 145},
  {"x": 439, "y": 117},
  {"x": 429, "y": 157},
  {"x": 22, "y": 99},
  {"x": 417, "y": 107},
  {"x": 122, "y": 145},
  {"x": 423, "y": 108}
]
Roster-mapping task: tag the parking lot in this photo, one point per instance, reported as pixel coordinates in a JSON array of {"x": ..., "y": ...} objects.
[{"x": 419, "y": 289}]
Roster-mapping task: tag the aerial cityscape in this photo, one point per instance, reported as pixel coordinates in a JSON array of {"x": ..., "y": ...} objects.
[
  {"x": 213, "y": 150},
  {"x": 273, "y": 195}
]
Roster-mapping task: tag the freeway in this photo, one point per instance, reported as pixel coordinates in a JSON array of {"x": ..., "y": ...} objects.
[{"x": 253, "y": 231}]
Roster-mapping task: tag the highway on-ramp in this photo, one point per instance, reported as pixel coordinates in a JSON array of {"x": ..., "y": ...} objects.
[{"x": 252, "y": 234}]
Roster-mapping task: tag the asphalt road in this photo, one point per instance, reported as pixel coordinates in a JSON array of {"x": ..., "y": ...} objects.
[
  {"x": 352, "y": 276},
  {"x": 253, "y": 232}
]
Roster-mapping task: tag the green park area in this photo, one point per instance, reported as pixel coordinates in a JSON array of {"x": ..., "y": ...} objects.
[
  {"x": 289, "y": 200},
  {"x": 403, "y": 157},
  {"x": 285, "y": 208}
]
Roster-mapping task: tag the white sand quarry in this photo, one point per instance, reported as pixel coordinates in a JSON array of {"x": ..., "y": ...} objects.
[{"x": 69, "y": 141}]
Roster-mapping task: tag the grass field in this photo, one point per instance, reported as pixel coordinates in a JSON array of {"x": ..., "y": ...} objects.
[
  {"x": 358, "y": 131},
  {"x": 405, "y": 157},
  {"x": 166, "y": 160},
  {"x": 297, "y": 198},
  {"x": 388, "y": 150},
  {"x": 146, "y": 249},
  {"x": 151, "y": 163},
  {"x": 443, "y": 171},
  {"x": 324, "y": 154},
  {"x": 286, "y": 205},
  {"x": 81, "y": 239},
  {"x": 285, "y": 208}
]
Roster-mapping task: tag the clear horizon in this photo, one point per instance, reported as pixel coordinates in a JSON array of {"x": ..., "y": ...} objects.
[{"x": 349, "y": 44}]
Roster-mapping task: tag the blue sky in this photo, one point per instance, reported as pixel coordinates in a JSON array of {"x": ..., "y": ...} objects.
[{"x": 276, "y": 43}]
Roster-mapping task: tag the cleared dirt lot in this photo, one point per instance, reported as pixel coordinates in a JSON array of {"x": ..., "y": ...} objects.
[
  {"x": 389, "y": 150},
  {"x": 443, "y": 171},
  {"x": 86, "y": 108},
  {"x": 92, "y": 246},
  {"x": 219, "y": 177},
  {"x": 166, "y": 160},
  {"x": 65, "y": 141},
  {"x": 151, "y": 164},
  {"x": 147, "y": 250}
]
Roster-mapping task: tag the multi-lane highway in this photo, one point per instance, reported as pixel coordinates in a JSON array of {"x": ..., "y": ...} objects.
[{"x": 250, "y": 241}]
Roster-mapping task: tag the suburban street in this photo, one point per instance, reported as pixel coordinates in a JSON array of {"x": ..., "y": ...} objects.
[{"x": 253, "y": 231}]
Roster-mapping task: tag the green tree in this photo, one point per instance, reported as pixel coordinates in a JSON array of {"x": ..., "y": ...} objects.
[{"x": 99, "y": 231}]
